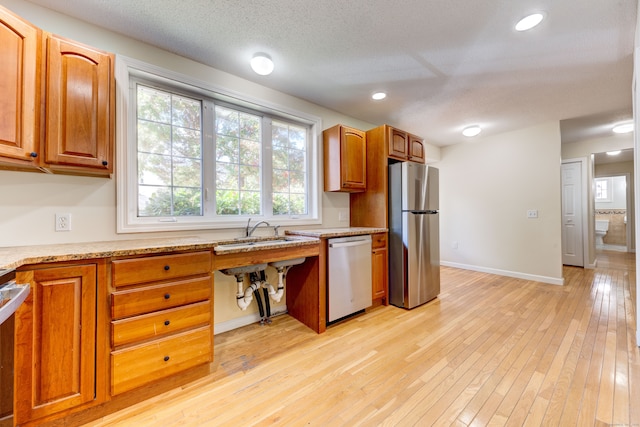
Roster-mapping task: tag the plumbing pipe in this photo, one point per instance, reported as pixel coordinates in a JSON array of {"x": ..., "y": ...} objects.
[
  {"x": 267, "y": 305},
  {"x": 256, "y": 293},
  {"x": 277, "y": 296},
  {"x": 244, "y": 297},
  {"x": 256, "y": 282}
]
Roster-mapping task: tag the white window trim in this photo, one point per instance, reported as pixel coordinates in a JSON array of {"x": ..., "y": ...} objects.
[{"x": 127, "y": 220}]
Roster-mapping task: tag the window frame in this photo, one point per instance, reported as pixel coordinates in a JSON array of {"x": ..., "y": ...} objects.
[{"x": 127, "y": 220}]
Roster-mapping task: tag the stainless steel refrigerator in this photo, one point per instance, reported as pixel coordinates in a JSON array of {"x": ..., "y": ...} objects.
[{"x": 414, "y": 247}]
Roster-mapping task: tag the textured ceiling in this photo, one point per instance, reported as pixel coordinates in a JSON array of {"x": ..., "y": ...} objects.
[{"x": 444, "y": 63}]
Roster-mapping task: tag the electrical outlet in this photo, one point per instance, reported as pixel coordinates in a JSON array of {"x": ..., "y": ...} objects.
[
  {"x": 63, "y": 222},
  {"x": 343, "y": 215},
  {"x": 532, "y": 213}
]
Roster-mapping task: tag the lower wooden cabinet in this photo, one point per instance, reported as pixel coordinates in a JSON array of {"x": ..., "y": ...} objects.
[
  {"x": 57, "y": 342},
  {"x": 379, "y": 267},
  {"x": 135, "y": 366},
  {"x": 162, "y": 317}
]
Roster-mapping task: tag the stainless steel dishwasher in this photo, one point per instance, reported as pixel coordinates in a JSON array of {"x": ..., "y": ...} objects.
[{"x": 349, "y": 286}]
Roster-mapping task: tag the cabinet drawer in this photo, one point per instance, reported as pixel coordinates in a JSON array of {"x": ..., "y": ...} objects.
[
  {"x": 379, "y": 240},
  {"x": 139, "y": 365},
  {"x": 131, "y": 302},
  {"x": 161, "y": 323},
  {"x": 163, "y": 267}
]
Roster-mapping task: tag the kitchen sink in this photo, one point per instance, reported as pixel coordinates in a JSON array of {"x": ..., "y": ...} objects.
[{"x": 266, "y": 243}]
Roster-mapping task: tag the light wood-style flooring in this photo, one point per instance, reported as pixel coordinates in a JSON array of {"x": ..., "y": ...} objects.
[{"x": 490, "y": 351}]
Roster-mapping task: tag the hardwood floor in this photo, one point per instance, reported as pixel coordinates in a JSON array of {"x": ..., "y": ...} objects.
[{"x": 489, "y": 351}]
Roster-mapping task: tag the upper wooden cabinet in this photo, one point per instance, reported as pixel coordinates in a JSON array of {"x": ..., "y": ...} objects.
[
  {"x": 58, "y": 101},
  {"x": 404, "y": 146},
  {"x": 20, "y": 90},
  {"x": 385, "y": 144},
  {"x": 345, "y": 159},
  {"x": 79, "y": 106}
]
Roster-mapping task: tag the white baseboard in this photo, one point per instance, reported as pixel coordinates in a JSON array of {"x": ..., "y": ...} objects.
[
  {"x": 239, "y": 322},
  {"x": 517, "y": 275}
]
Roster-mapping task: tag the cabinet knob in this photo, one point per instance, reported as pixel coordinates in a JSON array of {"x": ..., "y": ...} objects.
[
  {"x": 167, "y": 296},
  {"x": 33, "y": 154},
  {"x": 105, "y": 163},
  {"x": 166, "y": 268},
  {"x": 167, "y": 322},
  {"x": 166, "y": 358}
]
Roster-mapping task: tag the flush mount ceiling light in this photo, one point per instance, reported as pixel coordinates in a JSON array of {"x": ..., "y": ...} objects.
[
  {"x": 623, "y": 128},
  {"x": 378, "y": 96},
  {"x": 528, "y": 22},
  {"x": 262, "y": 64},
  {"x": 471, "y": 131},
  {"x": 613, "y": 153}
]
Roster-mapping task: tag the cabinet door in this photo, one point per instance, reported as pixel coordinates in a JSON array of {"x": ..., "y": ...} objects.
[
  {"x": 56, "y": 342},
  {"x": 79, "y": 106},
  {"x": 354, "y": 159},
  {"x": 416, "y": 149},
  {"x": 379, "y": 273},
  {"x": 20, "y": 45},
  {"x": 398, "y": 144}
]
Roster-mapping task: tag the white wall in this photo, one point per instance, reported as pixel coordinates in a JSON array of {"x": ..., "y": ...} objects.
[
  {"x": 618, "y": 195},
  {"x": 487, "y": 186}
]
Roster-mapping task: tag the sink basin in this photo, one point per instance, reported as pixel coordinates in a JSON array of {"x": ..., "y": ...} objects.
[{"x": 255, "y": 244}]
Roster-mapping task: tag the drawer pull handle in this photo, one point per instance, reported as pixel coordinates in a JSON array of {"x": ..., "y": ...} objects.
[
  {"x": 166, "y": 358},
  {"x": 167, "y": 296},
  {"x": 166, "y": 268},
  {"x": 166, "y": 323}
]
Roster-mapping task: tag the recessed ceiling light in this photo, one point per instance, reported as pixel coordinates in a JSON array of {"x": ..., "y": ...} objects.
[
  {"x": 528, "y": 22},
  {"x": 262, "y": 64},
  {"x": 623, "y": 128},
  {"x": 378, "y": 96},
  {"x": 613, "y": 153},
  {"x": 471, "y": 131}
]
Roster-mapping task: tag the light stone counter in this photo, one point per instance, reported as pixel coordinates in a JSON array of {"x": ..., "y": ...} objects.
[
  {"x": 326, "y": 233},
  {"x": 17, "y": 256}
]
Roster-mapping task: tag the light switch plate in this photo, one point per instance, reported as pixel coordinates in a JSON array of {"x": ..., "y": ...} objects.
[{"x": 532, "y": 213}]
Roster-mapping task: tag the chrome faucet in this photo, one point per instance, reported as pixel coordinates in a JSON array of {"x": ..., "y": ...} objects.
[{"x": 249, "y": 231}]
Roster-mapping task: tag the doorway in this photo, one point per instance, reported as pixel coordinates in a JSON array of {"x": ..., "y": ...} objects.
[
  {"x": 611, "y": 208},
  {"x": 613, "y": 202}
]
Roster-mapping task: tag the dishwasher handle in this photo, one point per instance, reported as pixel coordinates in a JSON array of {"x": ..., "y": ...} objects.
[{"x": 351, "y": 243}]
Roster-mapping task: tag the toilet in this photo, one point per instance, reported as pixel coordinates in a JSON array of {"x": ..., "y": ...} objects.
[{"x": 602, "y": 226}]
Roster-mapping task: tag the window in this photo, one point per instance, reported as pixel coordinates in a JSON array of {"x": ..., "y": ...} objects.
[
  {"x": 603, "y": 189},
  {"x": 196, "y": 158}
]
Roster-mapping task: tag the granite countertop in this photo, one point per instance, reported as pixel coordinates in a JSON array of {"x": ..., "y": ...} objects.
[
  {"x": 325, "y": 233},
  {"x": 17, "y": 256}
]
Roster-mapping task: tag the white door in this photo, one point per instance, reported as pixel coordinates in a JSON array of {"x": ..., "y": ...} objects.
[{"x": 572, "y": 247}]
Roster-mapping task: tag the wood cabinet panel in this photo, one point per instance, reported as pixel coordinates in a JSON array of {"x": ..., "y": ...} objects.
[
  {"x": 379, "y": 266},
  {"x": 345, "y": 159},
  {"x": 157, "y": 324},
  {"x": 79, "y": 105},
  {"x": 56, "y": 340},
  {"x": 126, "y": 272},
  {"x": 398, "y": 144},
  {"x": 135, "y": 301},
  {"x": 20, "y": 89},
  {"x": 137, "y": 366},
  {"x": 416, "y": 149},
  {"x": 380, "y": 273}
]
